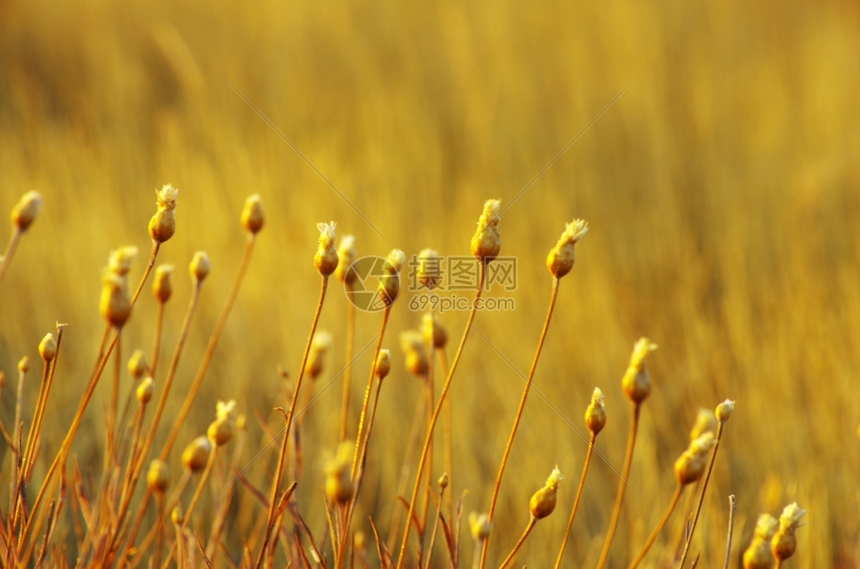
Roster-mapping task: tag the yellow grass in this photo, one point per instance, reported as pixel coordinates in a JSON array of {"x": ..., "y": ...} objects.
[{"x": 722, "y": 191}]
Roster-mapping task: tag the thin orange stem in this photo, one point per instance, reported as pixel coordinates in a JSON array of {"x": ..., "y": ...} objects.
[
  {"x": 385, "y": 313},
  {"x": 528, "y": 386},
  {"x": 10, "y": 250},
  {"x": 276, "y": 482},
  {"x": 702, "y": 495},
  {"x": 347, "y": 372},
  {"x": 421, "y": 462},
  {"x": 579, "y": 488},
  {"x": 156, "y": 341},
  {"x": 622, "y": 487},
  {"x": 519, "y": 544},
  {"x": 653, "y": 537}
]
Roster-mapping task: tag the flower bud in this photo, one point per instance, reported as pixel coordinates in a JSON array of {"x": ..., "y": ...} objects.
[
  {"x": 595, "y": 414},
  {"x": 48, "y": 347},
  {"x": 543, "y": 501},
  {"x": 443, "y": 480},
  {"x": 221, "y": 430},
  {"x": 196, "y": 455},
  {"x": 433, "y": 330},
  {"x": 158, "y": 476},
  {"x": 26, "y": 210},
  {"x": 199, "y": 266},
  {"x": 724, "y": 410},
  {"x": 119, "y": 262},
  {"x": 226, "y": 410},
  {"x": 252, "y": 216},
  {"x": 137, "y": 365},
  {"x": 24, "y": 364},
  {"x": 429, "y": 270},
  {"x": 345, "y": 259},
  {"x": 479, "y": 526},
  {"x": 145, "y": 390},
  {"x": 636, "y": 383},
  {"x": 389, "y": 284},
  {"x": 757, "y": 555},
  {"x": 177, "y": 516},
  {"x": 115, "y": 305},
  {"x": 383, "y": 364},
  {"x": 706, "y": 422},
  {"x": 486, "y": 242},
  {"x": 339, "y": 486},
  {"x": 320, "y": 346},
  {"x": 412, "y": 344},
  {"x": 161, "y": 287},
  {"x": 691, "y": 464},
  {"x": 561, "y": 258},
  {"x": 325, "y": 259},
  {"x": 162, "y": 225},
  {"x": 784, "y": 542}
]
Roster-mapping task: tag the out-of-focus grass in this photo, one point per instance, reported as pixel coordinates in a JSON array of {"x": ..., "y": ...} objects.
[{"x": 722, "y": 191}]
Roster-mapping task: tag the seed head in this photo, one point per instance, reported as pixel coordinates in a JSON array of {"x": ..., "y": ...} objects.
[
  {"x": 338, "y": 484},
  {"x": 252, "y": 215},
  {"x": 177, "y": 516},
  {"x": 784, "y": 542},
  {"x": 26, "y": 210},
  {"x": 724, "y": 410},
  {"x": 320, "y": 345},
  {"x": 389, "y": 284},
  {"x": 345, "y": 259},
  {"x": 137, "y": 365},
  {"x": 434, "y": 330},
  {"x": 443, "y": 480},
  {"x": 226, "y": 410},
  {"x": 145, "y": 390},
  {"x": 196, "y": 455},
  {"x": 162, "y": 225},
  {"x": 326, "y": 259},
  {"x": 199, "y": 266},
  {"x": 691, "y": 464},
  {"x": 429, "y": 268},
  {"x": 479, "y": 526},
  {"x": 161, "y": 287},
  {"x": 158, "y": 476},
  {"x": 24, "y": 364},
  {"x": 706, "y": 422},
  {"x": 595, "y": 414},
  {"x": 486, "y": 242},
  {"x": 115, "y": 305},
  {"x": 543, "y": 501},
  {"x": 221, "y": 430},
  {"x": 48, "y": 347},
  {"x": 636, "y": 383},
  {"x": 383, "y": 364},
  {"x": 561, "y": 257},
  {"x": 757, "y": 555},
  {"x": 120, "y": 260},
  {"x": 412, "y": 344}
]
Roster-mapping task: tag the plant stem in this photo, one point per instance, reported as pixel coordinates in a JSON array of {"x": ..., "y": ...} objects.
[
  {"x": 447, "y": 440},
  {"x": 732, "y": 504},
  {"x": 156, "y": 341},
  {"x": 702, "y": 494},
  {"x": 435, "y": 528},
  {"x": 385, "y": 313},
  {"x": 10, "y": 250},
  {"x": 588, "y": 453},
  {"x": 653, "y": 537},
  {"x": 622, "y": 487},
  {"x": 435, "y": 417},
  {"x": 498, "y": 485},
  {"x": 519, "y": 544},
  {"x": 276, "y": 482},
  {"x": 347, "y": 371}
]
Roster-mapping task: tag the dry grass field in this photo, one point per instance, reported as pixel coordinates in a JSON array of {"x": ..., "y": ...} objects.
[{"x": 722, "y": 192}]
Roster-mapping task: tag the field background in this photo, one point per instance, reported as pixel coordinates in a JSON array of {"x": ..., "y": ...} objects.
[{"x": 722, "y": 189}]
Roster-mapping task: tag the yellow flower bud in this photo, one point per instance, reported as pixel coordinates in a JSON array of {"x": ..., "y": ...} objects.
[
  {"x": 339, "y": 486},
  {"x": 595, "y": 414},
  {"x": 196, "y": 455},
  {"x": 486, "y": 243},
  {"x": 158, "y": 476},
  {"x": 724, "y": 410},
  {"x": 706, "y": 422},
  {"x": 325, "y": 259},
  {"x": 479, "y": 526},
  {"x": 636, "y": 383},
  {"x": 434, "y": 330},
  {"x": 119, "y": 262},
  {"x": 561, "y": 258},
  {"x": 412, "y": 344},
  {"x": 320, "y": 346},
  {"x": 429, "y": 268},
  {"x": 252, "y": 215},
  {"x": 162, "y": 225},
  {"x": 757, "y": 555},
  {"x": 383, "y": 364},
  {"x": 784, "y": 542},
  {"x": 543, "y": 501},
  {"x": 345, "y": 259},
  {"x": 221, "y": 430},
  {"x": 115, "y": 305},
  {"x": 137, "y": 365},
  {"x": 145, "y": 390},
  {"x": 691, "y": 464},
  {"x": 26, "y": 210},
  {"x": 389, "y": 284},
  {"x": 161, "y": 287},
  {"x": 48, "y": 347},
  {"x": 199, "y": 266}
]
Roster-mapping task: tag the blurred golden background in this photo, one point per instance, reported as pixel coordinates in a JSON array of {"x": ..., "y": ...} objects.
[{"x": 721, "y": 189}]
